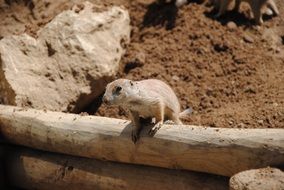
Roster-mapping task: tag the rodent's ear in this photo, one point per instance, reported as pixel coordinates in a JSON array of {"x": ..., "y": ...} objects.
[{"x": 131, "y": 83}]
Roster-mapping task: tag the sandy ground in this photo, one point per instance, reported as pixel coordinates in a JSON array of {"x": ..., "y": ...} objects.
[{"x": 230, "y": 76}]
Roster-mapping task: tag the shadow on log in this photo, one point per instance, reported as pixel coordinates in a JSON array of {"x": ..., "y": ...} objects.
[
  {"x": 31, "y": 169},
  {"x": 212, "y": 150}
]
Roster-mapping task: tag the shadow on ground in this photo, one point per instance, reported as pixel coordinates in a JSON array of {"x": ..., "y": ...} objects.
[{"x": 163, "y": 14}]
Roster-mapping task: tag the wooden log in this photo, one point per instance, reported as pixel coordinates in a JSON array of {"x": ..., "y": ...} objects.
[
  {"x": 31, "y": 169},
  {"x": 213, "y": 150}
]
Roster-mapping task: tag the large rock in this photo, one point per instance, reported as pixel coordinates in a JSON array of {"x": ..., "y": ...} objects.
[
  {"x": 69, "y": 63},
  {"x": 258, "y": 179}
]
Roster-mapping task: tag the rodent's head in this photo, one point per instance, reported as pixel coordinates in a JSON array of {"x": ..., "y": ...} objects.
[{"x": 118, "y": 92}]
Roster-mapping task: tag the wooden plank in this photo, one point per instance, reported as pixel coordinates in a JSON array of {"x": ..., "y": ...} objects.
[
  {"x": 212, "y": 150},
  {"x": 31, "y": 169}
]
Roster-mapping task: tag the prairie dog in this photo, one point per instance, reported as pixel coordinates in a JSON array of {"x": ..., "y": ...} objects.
[
  {"x": 256, "y": 7},
  {"x": 149, "y": 98}
]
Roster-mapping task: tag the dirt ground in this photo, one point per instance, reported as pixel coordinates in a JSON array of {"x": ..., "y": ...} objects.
[{"x": 232, "y": 76}]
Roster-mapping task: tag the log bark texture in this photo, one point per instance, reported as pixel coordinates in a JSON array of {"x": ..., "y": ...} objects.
[
  {"x": 212, "y": 150},
  {"x": 33, "y": 169}
]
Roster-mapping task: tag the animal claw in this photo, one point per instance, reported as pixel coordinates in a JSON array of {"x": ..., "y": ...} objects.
[{"x": 155, "y": 129}]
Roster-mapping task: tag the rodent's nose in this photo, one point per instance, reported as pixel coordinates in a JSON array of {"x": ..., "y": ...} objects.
[{"x": 105, "y": 101}]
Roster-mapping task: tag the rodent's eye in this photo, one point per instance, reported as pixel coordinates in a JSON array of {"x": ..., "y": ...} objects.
[
  {"x": 131, "y": 83},
  {"x": 117, "y": 90}
]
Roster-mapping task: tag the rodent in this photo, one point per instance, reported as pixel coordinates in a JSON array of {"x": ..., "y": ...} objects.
[
  {"x": 256, "y": 7},
  {"x": 149, "y": 98}
]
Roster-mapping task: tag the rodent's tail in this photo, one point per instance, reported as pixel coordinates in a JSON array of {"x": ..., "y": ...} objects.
[{"x": 185, "y": 114}]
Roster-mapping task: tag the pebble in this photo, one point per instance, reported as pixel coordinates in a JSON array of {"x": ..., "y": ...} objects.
[
  {"x": 277, "y": 50},
  {"x": 231, "y": 25},
  {"x": 176, "y": 78},
  {"x": 248, "y": 39},
  {"x": 250, "y": 89},
  {"x": 241, "y": 125},
  {"x": 275, "y": 104},
  {"x": 260, "y": 122}
]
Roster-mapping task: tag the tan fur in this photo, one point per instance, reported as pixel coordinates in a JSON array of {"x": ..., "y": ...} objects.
[
  {"x": 147, "y": 99},
  {"x": 256, "y": 7}
]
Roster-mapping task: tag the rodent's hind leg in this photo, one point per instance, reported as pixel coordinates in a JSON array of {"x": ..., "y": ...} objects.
[
  {"x": 237, "y": 6},
  {"x": 223, "y": 7},
  {"x": 160, "y": 116},
  {"x": 256, "y": 9},
  {"x": 136, "y": 126},
  {"x": 271, "y": 5}
]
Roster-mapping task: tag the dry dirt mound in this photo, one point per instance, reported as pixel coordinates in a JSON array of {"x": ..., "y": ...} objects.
[{"x": 230, "y": 76}]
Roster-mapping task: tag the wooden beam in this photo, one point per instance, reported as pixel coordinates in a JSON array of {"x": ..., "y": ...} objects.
[
  {"x": 31, "y": 169},
  {"x": 212, "y": 150}
]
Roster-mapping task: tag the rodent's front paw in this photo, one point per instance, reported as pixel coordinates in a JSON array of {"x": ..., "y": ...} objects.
[{"x": 155, "y": 129}]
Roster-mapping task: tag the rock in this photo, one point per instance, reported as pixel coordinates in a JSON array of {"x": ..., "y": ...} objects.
[
  {"x": 70, "y": 62},
  {"x": 231, "y": 25},
  {"x": 250, "y": 89},
  {"x": 275, "y": 104},
  {"x": 175, "y": 78},
  {"x": 248, "y": 39},
  {"x": 277, "y": 50},
  {"x": 241, "y": 125},
  {"x": 260, "y": 122},
  {"x": 258, "y": 179}
]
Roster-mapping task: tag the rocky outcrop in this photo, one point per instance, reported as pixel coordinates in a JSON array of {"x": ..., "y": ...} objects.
[
  {"x": 69, "y": 63},
  {"x": 258, "y": 179}
]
